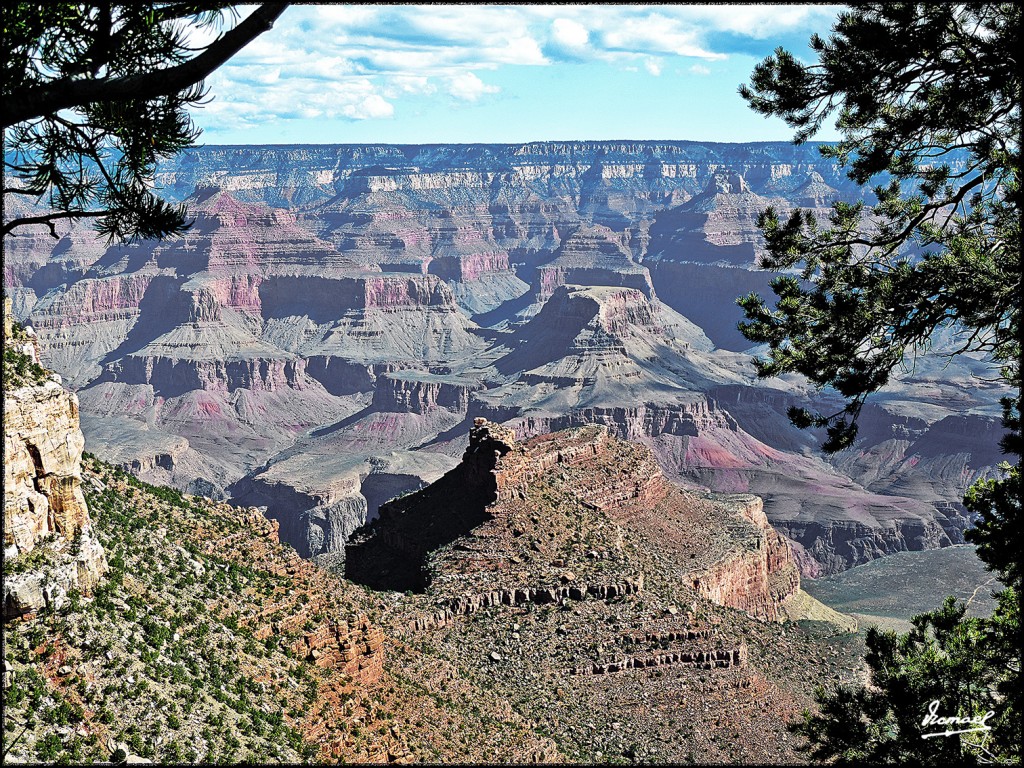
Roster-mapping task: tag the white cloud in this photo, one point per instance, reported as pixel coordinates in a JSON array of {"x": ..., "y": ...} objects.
[
  {"x": 758, "y": 21},
  {"x": 404, "y": 62},
  {"x": 568, "y": 33},
  {"x": 266, "y": 76},
  {"x": 472, "y": 25},
  {"x": 700, "y": 69},
  {"x": 373, "y": 106},
  {"x": 653, "y": 66},
  {"x": 336, "y": 14},
  {"x": 656, "y": 34},
  {"x": 469, "y": 87},
  {"x": 519, "y": 50},
  {"x": 242, "y": 104},
  {"x": 405, "y": 85}
]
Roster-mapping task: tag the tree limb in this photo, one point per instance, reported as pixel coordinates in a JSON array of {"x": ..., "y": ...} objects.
[
  {"x": 39, "y": 100},
  {"x": 49, "y": 220}
]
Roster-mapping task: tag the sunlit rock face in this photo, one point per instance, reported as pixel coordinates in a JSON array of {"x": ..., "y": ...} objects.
[
  {"x": 50, "y": 550},
  {"x": 324, "y": 334}
]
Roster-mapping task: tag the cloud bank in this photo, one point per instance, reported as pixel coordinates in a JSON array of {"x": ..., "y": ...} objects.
[{"x": 351, "y": 63}]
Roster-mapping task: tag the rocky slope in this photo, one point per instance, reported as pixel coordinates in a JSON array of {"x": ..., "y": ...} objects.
[
  {"x": 209, "y": 641},
  {"x": 325, "y": 334},
  {"x": 626, "y": 616},
  {"x": 537, "y": 522}
]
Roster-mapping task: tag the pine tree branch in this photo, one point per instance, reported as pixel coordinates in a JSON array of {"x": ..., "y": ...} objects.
[
  {"x": 49, "y": 220},
  {"x": 39, "y": 100}
]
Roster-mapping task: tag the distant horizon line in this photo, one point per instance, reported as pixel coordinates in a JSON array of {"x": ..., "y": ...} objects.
[{"x": 789, "y": 143}]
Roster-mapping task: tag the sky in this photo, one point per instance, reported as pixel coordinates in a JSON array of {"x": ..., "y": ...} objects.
[{"x": 423, "y": 74}]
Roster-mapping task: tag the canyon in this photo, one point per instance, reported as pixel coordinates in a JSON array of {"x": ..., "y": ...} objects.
[
  {"x": 538, "y": 585},
  {"x": 323, "y": 337}
]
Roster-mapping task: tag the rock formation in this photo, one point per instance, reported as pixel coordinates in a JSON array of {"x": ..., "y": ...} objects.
[
  {"x": 534, "y": 523},
  {"x": 572, "y": 578}
]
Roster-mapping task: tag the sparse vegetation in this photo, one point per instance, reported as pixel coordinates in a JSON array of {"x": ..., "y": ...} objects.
[
  {"x": 151, "y": 666},
  {"x": 20, "y": 370}
]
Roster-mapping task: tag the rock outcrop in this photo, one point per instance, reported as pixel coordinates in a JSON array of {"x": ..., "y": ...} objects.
[
  {"x": 42, "y": 473},
  {"x": 418, "y": 392},
  {"x": 49, "y": 547},
  {"x": 506, "y": 527},
  {"x": 757, "y": 580},
  {"x": 562, "y": 572}
]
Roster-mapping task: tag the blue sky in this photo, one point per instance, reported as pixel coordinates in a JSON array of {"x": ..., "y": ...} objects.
[{"x": 331, "y": 73}]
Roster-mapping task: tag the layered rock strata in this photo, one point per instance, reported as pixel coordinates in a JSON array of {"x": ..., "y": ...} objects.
[
  {"x": 712, "y": 659},
  {"x": 466, "y": 605},
  {"x": 759, "y": 580},
  {"x": 571, "y": 282}
]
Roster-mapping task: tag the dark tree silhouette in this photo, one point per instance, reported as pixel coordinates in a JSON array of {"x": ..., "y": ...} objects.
[
  {"x": 95, "y": 94},
  {"x": 927, "y": 98}
]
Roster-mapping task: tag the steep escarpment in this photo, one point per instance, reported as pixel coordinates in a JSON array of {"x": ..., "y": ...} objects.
[
  {"x": 703, "y": 253},
  {"x": 763, "y": 578},
  {"x": 254, "y": 173},
  {"x": 314, "y": 517},
  {"x": 601, "y": 342},
  {"x": 592, "y": 255},
  {"x": 419, "y": 392},
  {"x": 50, "y": 551}
]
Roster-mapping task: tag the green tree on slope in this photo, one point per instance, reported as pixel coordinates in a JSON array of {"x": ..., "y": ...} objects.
[
  {"x": 927, "y": 99},
  {"x": 94, "y": 95}
]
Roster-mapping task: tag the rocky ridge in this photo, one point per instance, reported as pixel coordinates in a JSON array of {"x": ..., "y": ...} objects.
[
  {"x": 565, "y": 573},
  {"x": 210, "y": 641},
  {"x": 542, "y": 521}
]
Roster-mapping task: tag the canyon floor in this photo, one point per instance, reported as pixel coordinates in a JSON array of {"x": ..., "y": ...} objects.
[{"x": 888, "y": 592}]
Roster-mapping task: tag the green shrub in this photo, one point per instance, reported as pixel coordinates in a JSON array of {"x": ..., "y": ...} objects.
[
  {"x": 48, "y": 747},
  {"x": 21, "y": 371}
]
